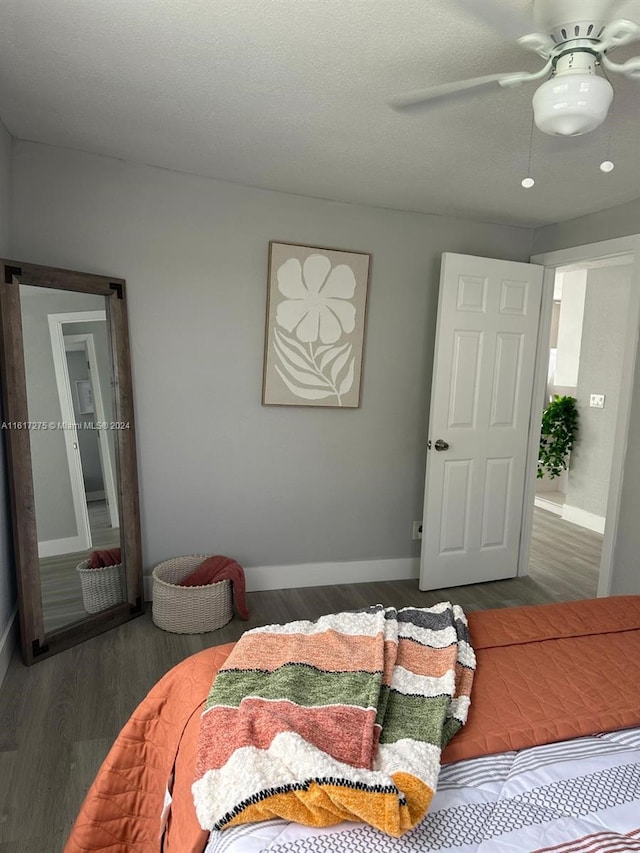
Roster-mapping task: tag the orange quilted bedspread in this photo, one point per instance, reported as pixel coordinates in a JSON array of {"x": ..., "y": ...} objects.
[{"x": 544, "y": 674}]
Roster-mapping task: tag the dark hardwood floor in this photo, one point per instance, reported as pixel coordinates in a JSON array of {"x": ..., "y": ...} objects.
[{"x": 59, "y": 717}]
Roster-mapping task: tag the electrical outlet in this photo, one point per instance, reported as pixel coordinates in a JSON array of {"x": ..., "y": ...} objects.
[
  {"x": 596, "y": 401},
  {"x": 416, "y": 530}
]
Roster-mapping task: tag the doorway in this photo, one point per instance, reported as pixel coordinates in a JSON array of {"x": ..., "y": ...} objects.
[
  {"x": 85, "y": 357},
  {"x": 85, "y": 404},
  {"x": 590, "y": 307},
  {"x": 607, "y": 360}
]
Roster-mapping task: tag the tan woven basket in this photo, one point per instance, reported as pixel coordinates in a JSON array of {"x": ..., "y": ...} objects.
[
  {"x": 188, "y": 609},
  {"x": 101, "y": 588}
]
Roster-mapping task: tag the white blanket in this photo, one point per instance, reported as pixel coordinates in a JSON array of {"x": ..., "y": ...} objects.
[{"x": 578, "y": 796}]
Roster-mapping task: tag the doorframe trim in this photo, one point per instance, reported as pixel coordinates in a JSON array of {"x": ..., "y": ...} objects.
[
  {"x": 551, "y": 261},
  {"x": 70, "y": 434}
]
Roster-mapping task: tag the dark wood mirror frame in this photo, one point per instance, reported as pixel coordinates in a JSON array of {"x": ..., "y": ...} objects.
[{"x": 36, "y": 643}]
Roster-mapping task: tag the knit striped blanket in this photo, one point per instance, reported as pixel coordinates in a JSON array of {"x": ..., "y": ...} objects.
[{"x": 339, "y": 719}]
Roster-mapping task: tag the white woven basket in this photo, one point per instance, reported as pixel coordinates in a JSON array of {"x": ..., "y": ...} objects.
[
  {"x": 101, "y": 588},
  {"x": 188, "y": 609}
]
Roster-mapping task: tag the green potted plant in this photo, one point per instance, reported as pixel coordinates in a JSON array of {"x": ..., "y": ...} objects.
[{"x": 559, "y": 428}]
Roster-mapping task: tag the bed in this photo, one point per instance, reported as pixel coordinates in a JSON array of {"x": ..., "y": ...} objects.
[{"x": 549, "y": 759}]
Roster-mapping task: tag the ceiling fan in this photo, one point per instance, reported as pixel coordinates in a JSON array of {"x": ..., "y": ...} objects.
[{"x": 574, "y": 38}]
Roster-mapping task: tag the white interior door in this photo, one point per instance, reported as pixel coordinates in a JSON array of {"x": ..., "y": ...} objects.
[{"x": 481, "y": 396}]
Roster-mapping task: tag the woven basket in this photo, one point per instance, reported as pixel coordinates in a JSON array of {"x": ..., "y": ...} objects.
[
  {"x": 188, "y": 609},
  {"x": 101, "y": 588}
]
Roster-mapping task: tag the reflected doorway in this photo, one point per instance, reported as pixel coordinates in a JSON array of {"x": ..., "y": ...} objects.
[{"x": 80, "y": 352}]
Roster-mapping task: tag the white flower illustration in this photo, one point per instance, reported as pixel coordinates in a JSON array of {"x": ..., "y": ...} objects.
[{"x": 317, "y": 299}]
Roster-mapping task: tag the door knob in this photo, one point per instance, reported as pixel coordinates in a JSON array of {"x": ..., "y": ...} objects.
[{"x": 441, "y": 444}]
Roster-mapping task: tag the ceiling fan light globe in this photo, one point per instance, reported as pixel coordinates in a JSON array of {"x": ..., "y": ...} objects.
[{"x": 572, "y": 104}]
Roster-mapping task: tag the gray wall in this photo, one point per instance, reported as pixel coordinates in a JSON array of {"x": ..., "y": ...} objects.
[
  {"x": 619, "y": 221},
  {"x": 219, "y": 472},
  {"x": 194, "y": 252},
  {"x": 7, "y": 577},
  {"x": 603, "y": 333}
]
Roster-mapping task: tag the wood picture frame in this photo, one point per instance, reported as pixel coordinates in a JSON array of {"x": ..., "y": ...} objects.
[{"x": 315, "y": 326}]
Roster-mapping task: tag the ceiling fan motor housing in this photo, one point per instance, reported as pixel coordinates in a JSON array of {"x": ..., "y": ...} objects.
[
  {"x": 572, "y": 19},
  {"x": 575, "y": 100},
  {"x": 582, "y": 29}
]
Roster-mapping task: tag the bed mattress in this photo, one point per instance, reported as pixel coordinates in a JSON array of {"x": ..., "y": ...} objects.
[
  {"x": 545, "y": 675},
  {"x": 577, "y": 796}
]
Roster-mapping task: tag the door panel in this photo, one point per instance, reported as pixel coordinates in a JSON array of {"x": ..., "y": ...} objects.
[
  {"x": 496, "y": 502},
  {"x": 506, "y": 381},
  {"x": 465, "y": 378},
  {"x": 455, "y": 497},
  {"x": 486, "y": 337}
]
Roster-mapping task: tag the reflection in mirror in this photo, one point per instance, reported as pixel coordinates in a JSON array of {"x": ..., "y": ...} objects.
[
  {"x": 69, "y": 379},
  {"x": 69, "y": 434}
]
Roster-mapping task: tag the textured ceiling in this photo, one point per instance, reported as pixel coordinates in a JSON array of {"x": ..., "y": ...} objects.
[{"x": 290, "y": 95}]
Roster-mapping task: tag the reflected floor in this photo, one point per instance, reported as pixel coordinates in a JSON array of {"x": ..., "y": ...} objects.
[
  {"x": 98, "y": 518},
  {"x": 61, "y": 591}
]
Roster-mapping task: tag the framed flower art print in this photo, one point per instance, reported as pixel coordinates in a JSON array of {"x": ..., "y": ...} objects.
[{"x": 316, "y": 310}]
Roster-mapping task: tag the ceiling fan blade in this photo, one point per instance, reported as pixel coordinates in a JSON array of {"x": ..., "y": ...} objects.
[
  {"x": 618, "y": 33},
  {"x": 499, "y": 17},
  {"x": 435, "y": 93},
  {"x": 630, "y": 68},
  {"x": 550, "y": 15},
  {"x": 538, "y": 42}
]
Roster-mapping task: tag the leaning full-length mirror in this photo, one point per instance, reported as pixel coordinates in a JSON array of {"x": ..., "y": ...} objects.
[{"x": 69, "y": 433}]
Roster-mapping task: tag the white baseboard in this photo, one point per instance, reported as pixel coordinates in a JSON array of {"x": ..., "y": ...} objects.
[
  {"x": 585, "y": 519},
  {"x": 8, "y": 643},
  {"x": 550, "y": 506},
  {"x": 54, "y": 547},
  {"x": 328, "y": 574},
  {"x": 322, "y": 574}
]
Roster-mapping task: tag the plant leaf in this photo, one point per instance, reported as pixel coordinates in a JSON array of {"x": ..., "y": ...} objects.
[
  {"x": 300, "y": 375},
  {"x": 339, "y": 363},
  {"x": 293, "y": 343},
  {"x": 558, "y": 433},
  {"x": 323, "y": 348},
  {"x": 328, "y": 357},
  {"x": 347, "y": 382},
  {"x": 305, "y": 393},
  {"x": 281, "y": 345}
]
